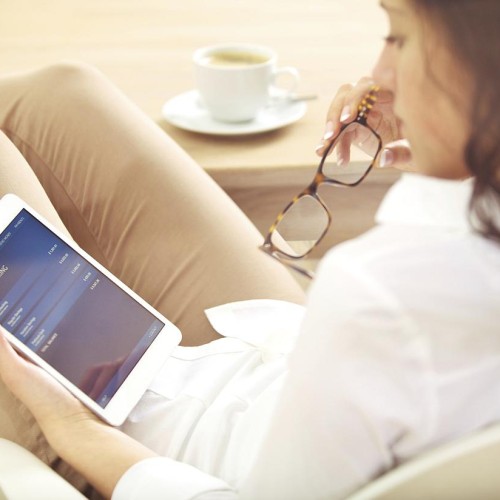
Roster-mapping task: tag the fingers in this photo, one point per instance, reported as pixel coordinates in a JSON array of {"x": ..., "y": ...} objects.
[
  {"x": 349, "y": 108},
  {"x": 343, "y": 150},
  {"x": 343, "y": 109},
  {"x": 397, "y": 154},
  {"x": 17, "y": 372},
  {"x": 28, "y": 382},
  {"x": 51, "y": 404}
]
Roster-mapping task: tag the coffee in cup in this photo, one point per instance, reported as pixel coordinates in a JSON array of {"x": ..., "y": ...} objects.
[
  {"x": 234, "y": 58},
  {"x": 235, "y": 81}
]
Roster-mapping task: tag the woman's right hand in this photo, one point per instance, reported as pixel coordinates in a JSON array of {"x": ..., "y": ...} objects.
[{"x": 343, "y": 109}]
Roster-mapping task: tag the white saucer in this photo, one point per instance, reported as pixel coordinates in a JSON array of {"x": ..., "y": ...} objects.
[{"x": 187, "y": 112}]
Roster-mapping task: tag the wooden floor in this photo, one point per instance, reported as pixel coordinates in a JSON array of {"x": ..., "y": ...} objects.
[{"x": 145, "y": 47}]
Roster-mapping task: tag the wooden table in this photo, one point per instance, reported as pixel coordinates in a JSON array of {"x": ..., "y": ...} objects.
[{"x": 145, "y": 47}]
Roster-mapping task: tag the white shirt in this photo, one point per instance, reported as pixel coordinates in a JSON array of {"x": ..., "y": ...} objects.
[{"x": 399, "y": 351}]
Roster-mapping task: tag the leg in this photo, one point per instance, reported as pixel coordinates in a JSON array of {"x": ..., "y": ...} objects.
[{"x": 132, "y": 198}]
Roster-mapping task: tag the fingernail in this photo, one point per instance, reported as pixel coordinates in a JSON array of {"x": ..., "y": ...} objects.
[
  {"x": 338, "y": 158},
  {"x": 386, "y": 158},
  {"x": 346, "y": 114},
  {"x": 319, "y": 148},
  {"x": 328, "y": 131}
]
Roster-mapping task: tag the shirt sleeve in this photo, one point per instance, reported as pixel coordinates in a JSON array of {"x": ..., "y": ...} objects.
[{"x": 159, "y": 478}]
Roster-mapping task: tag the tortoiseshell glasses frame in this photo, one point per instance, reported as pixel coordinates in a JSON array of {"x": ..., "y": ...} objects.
[{"x": 281, "y": 241}]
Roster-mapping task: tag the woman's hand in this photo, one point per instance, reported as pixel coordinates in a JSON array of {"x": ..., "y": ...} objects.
[
  {"x": 343, "y": 109},
  {"x": 99, "y": 452},
  {"x": 53, "y": 406}
]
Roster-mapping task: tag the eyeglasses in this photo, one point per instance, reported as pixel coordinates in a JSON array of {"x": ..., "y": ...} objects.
[{"x": 345, "y": 163}]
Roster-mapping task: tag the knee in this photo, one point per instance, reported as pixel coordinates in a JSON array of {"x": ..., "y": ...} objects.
[
  {"x": 68, "y": 78},
  {"x": 68, "y": 71}
]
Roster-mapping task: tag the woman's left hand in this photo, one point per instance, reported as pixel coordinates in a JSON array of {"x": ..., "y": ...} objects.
[
  {"x": 343, "y": 109},
  {"x": 99, "y": 452}
]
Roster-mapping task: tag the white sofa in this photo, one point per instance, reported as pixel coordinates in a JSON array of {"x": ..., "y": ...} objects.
[
  {"x": 464, "y": 470},
  {"x": 24, "y": 477}
]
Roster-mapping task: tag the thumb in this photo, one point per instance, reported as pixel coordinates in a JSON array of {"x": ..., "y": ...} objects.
[
  {"x": 397, "y": 154},
  {"x": 14, "y": 370}
]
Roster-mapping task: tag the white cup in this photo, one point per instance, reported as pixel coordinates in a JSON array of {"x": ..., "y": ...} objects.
[{"x": 235, "y": 81}]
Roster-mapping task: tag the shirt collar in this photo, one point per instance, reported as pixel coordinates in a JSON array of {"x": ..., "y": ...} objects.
[{"x": 427, "y": 201}]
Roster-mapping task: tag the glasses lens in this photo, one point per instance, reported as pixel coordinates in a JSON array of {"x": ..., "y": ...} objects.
[
  {"x": 352, "y": 154},
  {"x": 302, "y": 225}
]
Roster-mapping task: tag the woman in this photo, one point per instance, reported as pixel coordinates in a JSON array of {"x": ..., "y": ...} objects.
[{"x": 399, "y": 347}]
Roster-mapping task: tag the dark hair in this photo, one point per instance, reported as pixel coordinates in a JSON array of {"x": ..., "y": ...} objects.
[{"x": 472, "y": 30}]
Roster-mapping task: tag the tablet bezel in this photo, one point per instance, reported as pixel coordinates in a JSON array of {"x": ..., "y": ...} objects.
[{"x": 136, "y": 383}]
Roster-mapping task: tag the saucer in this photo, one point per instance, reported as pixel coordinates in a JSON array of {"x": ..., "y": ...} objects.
[{"x": 187, "y": 112}]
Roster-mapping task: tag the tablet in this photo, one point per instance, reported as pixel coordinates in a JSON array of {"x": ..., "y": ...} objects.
[{"x": 69, "y": 315}]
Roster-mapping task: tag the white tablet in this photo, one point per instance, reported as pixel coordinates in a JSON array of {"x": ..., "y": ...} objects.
[{"x": 73, "y": 318}]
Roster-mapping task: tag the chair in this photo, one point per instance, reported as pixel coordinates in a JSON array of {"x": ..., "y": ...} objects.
[
  {"x": 466, "y": 469},
  {"x": 24, "y": 477}
]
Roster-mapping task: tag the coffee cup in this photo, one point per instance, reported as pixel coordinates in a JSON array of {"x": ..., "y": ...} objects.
[{"x": 235, "y": 81}]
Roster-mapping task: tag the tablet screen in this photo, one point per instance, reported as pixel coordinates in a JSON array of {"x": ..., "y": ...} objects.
[{"x": 72, "y": 315}]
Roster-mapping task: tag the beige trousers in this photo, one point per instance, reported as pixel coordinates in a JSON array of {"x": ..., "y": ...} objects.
[{"x": 91, "y": 162}]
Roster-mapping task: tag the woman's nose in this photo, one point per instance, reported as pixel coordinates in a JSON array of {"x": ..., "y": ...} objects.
[{"x": 384, "y": 72}]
